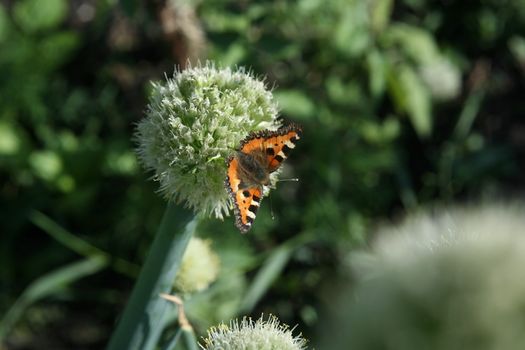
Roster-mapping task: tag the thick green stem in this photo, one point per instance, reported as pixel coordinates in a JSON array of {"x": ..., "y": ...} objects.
[{"x": 145, "y": 314}]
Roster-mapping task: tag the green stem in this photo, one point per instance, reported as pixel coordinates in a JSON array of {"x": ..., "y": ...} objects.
[
  {"x": 174, "y": 340},
  {"x": 189, "y": 339},
  {"x": 145, "y": 314}
]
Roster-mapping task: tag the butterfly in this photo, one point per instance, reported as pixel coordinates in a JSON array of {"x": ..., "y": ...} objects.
[{"x": 259, "y": 154}]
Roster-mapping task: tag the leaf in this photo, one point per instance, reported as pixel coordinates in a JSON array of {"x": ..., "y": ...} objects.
[
  {"x": 10, "y": 142},
  {"x": 80, "y": 246},
  {"x": 146, "y": 312},
  {"x": 4, "y": 23},
  {"x": 54, "y": 50},
  {"x": 48, "y": 284},
  {"x": 377, "y": 72},
  {"x": 129, "y": 7},
  {"x": 234, "y": 54},
  {"x": 517, "y": 48},
  {"x": 380, "y": 11},
  {"x": 351, "y": 34},
  {"x": 295, "y": 103},
  {"x": 46, "y": 164},
  {"x": 38, "y": 15},
  {"x": 416, "y": 43},
  {"x": 410, "y": 95},
  {"x": 271, "y": 269}
]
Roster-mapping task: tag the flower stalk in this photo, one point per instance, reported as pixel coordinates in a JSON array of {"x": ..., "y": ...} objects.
[
  {"x": 145, "y": 314},
  {"x": 193, "y": 122}
]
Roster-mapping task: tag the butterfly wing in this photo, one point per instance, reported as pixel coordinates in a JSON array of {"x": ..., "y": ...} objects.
[
  {"x": 275, "y": 144},
  {"x": 246, "y": 200}
]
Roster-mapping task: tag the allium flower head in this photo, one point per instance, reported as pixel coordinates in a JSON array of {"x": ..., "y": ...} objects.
[
  {"x": 199, "y": 268},
  {"x": 442, "y": 78},
  {"x": 193, "y": 122},
  {"x": 452, "y": 279},
  {"x": 253, "y": 335}
]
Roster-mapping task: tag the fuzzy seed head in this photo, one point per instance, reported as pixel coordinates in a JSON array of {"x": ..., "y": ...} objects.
[
  {"x": 451, "y": 279},
  {"x": 253, "y": 335},
  {"x": 193, "y": 122},
  {"x": 199, "y": 268},
  {"x": 442, "y": 78}
]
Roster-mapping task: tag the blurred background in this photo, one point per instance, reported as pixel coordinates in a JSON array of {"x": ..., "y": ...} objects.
[{"x": 404, "y": 104}]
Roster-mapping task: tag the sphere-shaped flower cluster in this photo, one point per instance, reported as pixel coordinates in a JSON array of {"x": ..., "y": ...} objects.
[
  {"x": 199, "y": 267},
  {"x": 193, "y": 123},
  {"x": 248, "y": 334},
  {"x": 452, "y": 279}
]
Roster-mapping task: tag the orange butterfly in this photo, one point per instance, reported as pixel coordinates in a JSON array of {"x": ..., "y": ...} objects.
[{"x": 249, "y": 169}]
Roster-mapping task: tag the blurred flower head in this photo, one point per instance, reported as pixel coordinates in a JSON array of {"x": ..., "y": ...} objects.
[
  {"x": 442, "y": 78},
  {"x": 199, "y": 268},
  {"x": 452, "y": 279},
  {"x": 193, "y": 122},
  {"x": 253, "y": 335}
]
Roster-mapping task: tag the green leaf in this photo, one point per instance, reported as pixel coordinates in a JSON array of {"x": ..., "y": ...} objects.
[
  {"x": 377, "y": 72},
  {"x": 129, "y": 7},
  {"x": 38, "y": 15},
  {"x": 10, "y": 142},
  {"x": 469, "y": 113},
  {"x": 46, "y": 164},
  {"x": 218, "y": 21},
  {"x": 4, "y": 23},
  {"x": 351, "y": 34},
  {"x": 378, "y": 133},
  {"x": 78, "y": 245},
  {"x": 54, "y": 50},
  {"x": 517, "y": 48},
  {"x": 146, "y": 312},
  {"x": 410, "y": 95},
  {"x": 416, "y": 43},
  {"x": 344, "y": 93},
  {"x": 234, "y": 54},
  {"x": 47, "y": 285},
  {"x": 271, "y": 269},
  {"x": 380, "y": 11},
  {"x": 295, "y": 103}
]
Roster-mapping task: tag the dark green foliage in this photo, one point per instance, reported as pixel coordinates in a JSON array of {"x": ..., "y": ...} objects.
[{"x": 402, "y": 104}]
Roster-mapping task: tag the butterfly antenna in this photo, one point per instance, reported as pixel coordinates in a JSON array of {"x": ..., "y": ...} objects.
[{"x": 294, "y": 179}]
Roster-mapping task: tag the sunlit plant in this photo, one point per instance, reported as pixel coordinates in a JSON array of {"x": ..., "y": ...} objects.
[
  {"x": 193, "y": 122},
  {"x": 257, "y": 335}
]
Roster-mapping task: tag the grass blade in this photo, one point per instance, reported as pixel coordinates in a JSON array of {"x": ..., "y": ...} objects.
[
  {"x": 271, "y": 269},
  {"x": 79, "y": 245},
  {"x": 46, "y": 285}
]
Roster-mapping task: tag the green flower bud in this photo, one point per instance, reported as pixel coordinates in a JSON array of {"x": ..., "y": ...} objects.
[
  {"x": 448, "y": 280},
  {"x": 193, "y": 123},
  {"x": 250, "y": 335},
  {"x": 199, "y": 268}
]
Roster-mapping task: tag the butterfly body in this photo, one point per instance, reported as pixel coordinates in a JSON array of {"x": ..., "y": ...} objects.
[
  {"x": 249, "y": 169},
  {"x": 252, "y": 169}
]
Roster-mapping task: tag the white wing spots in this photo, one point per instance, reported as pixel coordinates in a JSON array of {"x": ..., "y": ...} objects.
[{"x": 235, "y": 184}]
